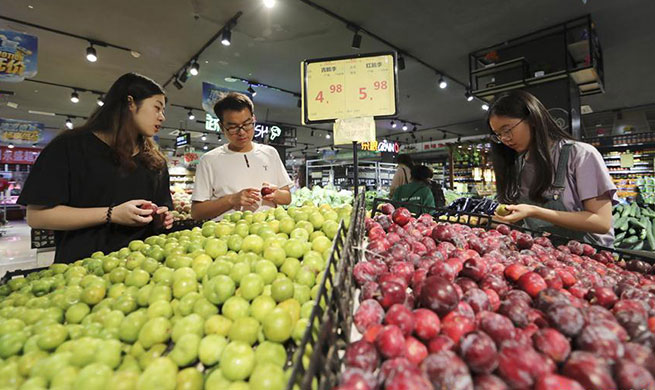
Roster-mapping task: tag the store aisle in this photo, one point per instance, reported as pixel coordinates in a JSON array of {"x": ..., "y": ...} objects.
[{"x": 15, "y": 251}]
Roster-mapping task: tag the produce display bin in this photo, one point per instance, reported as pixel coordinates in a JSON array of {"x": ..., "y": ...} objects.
[
  {"x": 333, "y": 336},
  {"x": 316, "y": 359}
]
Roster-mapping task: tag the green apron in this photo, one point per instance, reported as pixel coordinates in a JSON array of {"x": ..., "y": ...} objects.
[{"x": 554, "y": 202}]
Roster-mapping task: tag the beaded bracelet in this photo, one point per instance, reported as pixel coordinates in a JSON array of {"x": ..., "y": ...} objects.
[{"x": 109, "y": 210}]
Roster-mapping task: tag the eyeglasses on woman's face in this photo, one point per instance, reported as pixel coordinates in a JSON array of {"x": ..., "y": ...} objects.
[{"x": 504, "y": 135}]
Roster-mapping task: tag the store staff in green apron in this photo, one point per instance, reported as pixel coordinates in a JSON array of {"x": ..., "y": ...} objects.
[
  {"x": 418, "y": 190},
  {"x": 549, "y": 181}
]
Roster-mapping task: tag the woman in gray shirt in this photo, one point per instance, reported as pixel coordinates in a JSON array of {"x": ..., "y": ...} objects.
[{"x": 550, "y": 181}]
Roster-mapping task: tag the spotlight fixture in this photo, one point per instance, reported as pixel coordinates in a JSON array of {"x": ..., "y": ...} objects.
[
  {"x": 178, "y": 84},
  {"x": 252, "y": 91},
  {"x": 205, "y": 147},
  {"x": 69, "y": 124},
  {"x": 327, "y": 136},
  {"x": 357, "y": 41},
  {"x": 401, "y": 62},
  {"x": 311, "y": 133},
  {"x": 269, "y": 3},
  {"x": 10, "y": 146},
  {"x": 91, "y": 54},
  {"x": 192, "y": 117},
  {"x": 195, "y": 68},
  {"x": 405, "y": 126},
  {"x": 75, "y": 97},
  {"x": 485, "y": 107},
  {"x": 442, "y": 83},
  {"x": 184, "y": 76},
  {"x": 204, "y": 137},
  {"x": 101, "y": 101},
  {"x": 393, "y": 125},
  {"x": 469, "y": 97},
  {"x": 459, "y": 139},
  {"x": 226, "y": 39},
  {"x": 444, "y": 135},
  {"x": 414, "y": 128}
]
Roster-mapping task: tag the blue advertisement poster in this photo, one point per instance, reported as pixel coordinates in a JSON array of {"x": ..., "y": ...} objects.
[
  {"x": 211, "y": 93},
  {"x": 20, "y": 132},
  {"x": 18, "y": 53}
]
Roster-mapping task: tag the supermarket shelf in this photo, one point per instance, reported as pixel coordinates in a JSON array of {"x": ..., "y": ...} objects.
[
  {"x": 636, "y": 163},
  {"x": 627, "y": 146},
  {"x": 631, "y": 172}
]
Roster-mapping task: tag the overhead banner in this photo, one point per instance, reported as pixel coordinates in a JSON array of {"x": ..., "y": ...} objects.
[
  {"x": 18, "y": 155},
  {"x": 20, "y": 132},
  {"x": 18, "y": 53}
]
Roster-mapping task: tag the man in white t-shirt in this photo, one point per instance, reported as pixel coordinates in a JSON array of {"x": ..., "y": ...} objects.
[{"x": 232, "y": 176}]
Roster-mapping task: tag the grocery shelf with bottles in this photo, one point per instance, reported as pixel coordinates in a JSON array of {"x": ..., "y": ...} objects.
[
  {"x": 374, "y": 175},
  {"x": 471, "y": 167},
  {"x": 629, "y": 159}
]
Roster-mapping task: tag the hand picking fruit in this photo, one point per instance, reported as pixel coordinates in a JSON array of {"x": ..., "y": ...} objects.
[{"x": 502, "y": 210}]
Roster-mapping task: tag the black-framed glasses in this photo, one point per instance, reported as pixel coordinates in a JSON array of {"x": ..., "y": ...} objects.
[
  {"x": 245, "y": 126},
  {"x": 505, "y": 134}
]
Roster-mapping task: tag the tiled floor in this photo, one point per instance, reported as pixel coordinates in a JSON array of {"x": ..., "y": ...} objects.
[{"x": 15, "y": 251}]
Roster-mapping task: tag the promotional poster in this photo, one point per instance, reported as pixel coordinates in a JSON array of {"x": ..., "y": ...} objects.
[{"x": 18, "y": 54}]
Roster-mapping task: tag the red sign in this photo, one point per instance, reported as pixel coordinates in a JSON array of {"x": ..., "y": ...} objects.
[{"x": 18, "y": 155}]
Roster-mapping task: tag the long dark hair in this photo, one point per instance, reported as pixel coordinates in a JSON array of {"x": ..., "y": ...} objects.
[
  {"x": 115, "y": 119},
  {"x": 543, "y": 131}
]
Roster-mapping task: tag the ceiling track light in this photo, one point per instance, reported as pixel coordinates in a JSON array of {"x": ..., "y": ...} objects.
[
  {"x": 311, "y": 133},
  {"x": 191, "y": 116},
  {"x": 405, "y": 126},
  {"x": 414, "y": 128},
  {"x": 205, "y": 147},
  {"x": 252, "y": 91},
  {"x": 393, "y": 125},
  {"x": 357, "y": 41},
  {"x": 485, "y": 107},
  {"x": 327, "y": 136},
  {"x": 91, "y": 54},
  {"x": 178, "y": 84},
  {"x": 101, "y": 101},
  {"x": 442, "y": 82},
  {"x": 469, "y": 96},
  {"x": 269, "y": 3},
  {"x": 75, "y": 97},
  {"x": 204, "y": 137},
  {"x": 10, "y": 146},
  {"x": 194, "y": 69},
  {"x": 226, "y": 38},
  {"x": 69, "y": 124}
]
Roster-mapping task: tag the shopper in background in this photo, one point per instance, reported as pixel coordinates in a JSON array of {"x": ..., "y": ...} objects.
[
  {"x": 551, "y": 182},
  {"x": 418, "y": 191},
  {"x": 232, "y": 176},
  {"x": 403, "y": 173},
  {"x": 98, "y": 185}
]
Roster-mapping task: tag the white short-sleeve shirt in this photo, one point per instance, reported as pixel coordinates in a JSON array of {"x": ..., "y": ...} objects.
[{"x": 223, "y": 172}]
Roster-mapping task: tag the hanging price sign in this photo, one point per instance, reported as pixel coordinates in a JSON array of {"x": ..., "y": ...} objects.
[{"x": 349, "y": 87}]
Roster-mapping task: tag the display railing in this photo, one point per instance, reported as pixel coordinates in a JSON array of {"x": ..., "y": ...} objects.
[{"x": 316, "y": 359}]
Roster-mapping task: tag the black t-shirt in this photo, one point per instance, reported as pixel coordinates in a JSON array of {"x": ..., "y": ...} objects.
[{"x": 78, "y": 169}]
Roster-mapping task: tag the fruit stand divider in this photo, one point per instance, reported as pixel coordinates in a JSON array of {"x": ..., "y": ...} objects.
[
  {"x": 484, "y": 221},
  {"x": 324, "y": 340}
]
